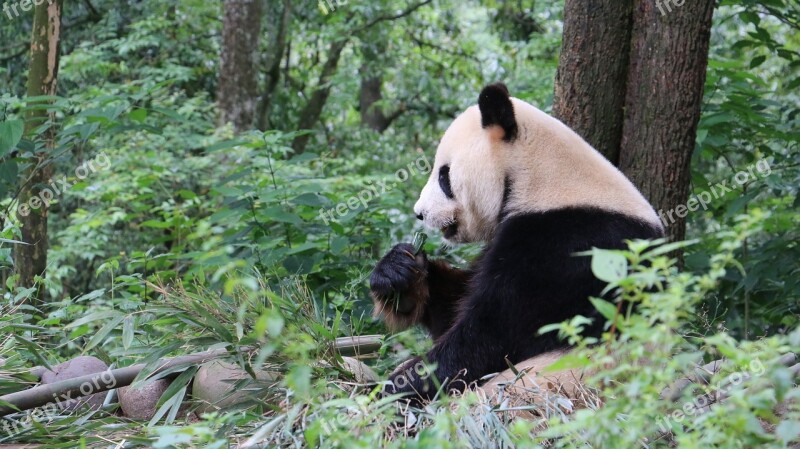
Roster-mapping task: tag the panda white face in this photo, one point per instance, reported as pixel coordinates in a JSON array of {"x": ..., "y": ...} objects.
[
  {"x": 464, "y": 193},
  {"x": 506, "y": 157}
]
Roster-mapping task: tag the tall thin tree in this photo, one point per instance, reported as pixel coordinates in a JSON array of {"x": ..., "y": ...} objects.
[{"x": 30, "y": 259}]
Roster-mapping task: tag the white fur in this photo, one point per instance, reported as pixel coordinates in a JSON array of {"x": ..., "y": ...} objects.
[{"x": 549, "y": 165}]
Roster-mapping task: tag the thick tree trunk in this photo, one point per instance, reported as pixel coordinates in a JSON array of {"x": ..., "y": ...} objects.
[
  {"x": 669, "y": 56},
  {"x": 311, "y": 113},
  {"x": 237, "y": 93},
  {"x": 30, "y": 260},
  {"x": 592, "y": 71}
]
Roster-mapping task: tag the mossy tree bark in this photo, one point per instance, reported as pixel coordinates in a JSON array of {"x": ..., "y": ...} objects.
[
  {"x": 371, "y": 91},
  {"x": 669, "y": 57},
  {"x": 278, "y": 42},
  {"x": 237, "y": 93},
  {"x": 30, "y": 260},
  {"x": 593, "y": 70},
  {"x": 310, "y": 115}
]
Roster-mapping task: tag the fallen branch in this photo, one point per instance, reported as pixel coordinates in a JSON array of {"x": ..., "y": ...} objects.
[
  {"x": 77, "y": 387},
  {"x": 93, "y": 383}
]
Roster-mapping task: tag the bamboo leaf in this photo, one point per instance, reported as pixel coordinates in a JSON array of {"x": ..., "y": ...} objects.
[{"x": 101, "y": 335}]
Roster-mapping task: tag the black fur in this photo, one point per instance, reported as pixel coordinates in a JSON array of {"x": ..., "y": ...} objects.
[
  {"x": 497, "y": 109},
  {"x": 444, "y": 181},
  {"x": 395, "y": 273},
  {"x": 506, "y": 196},
  {"x": 527, "y": 277}
]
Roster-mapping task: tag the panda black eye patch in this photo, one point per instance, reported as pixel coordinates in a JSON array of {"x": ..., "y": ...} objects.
[{"x": 444, "y": 181}]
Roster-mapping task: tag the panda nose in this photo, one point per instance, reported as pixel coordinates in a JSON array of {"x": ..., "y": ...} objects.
[{"x": 419, "y": 217}]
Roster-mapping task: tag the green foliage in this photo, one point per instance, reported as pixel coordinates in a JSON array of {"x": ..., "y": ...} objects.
[
  {"x": 652, "y": 350},
  {"x": 194, "y": 237},
  {"x": 751, "y": 117}
]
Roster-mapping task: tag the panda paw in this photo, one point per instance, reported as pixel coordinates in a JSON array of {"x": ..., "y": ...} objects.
[{"x": 399, "y": 286}]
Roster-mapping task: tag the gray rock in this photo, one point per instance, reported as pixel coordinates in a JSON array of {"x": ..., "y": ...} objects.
[
  {"x": 79, "y": 366},
  {"x": 360, "y": 370},
  {"x": 215, "y": 381},
  {"x": 140, "y": 403}
]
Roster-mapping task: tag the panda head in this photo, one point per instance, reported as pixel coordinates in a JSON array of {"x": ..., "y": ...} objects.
[{"x": 505, "y": 157}]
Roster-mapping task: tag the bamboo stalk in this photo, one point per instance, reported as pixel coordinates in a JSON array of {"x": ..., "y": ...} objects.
[
  {"x": 358, "y": 345},
  {"x": 78, "y": 387}
]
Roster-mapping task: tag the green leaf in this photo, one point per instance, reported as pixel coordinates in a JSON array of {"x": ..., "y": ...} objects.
[
  {"x": 157, "y": 224},
  {"x": 569, "y": 361},
  {"x": 168, "y": 112},
  {"x": 187, "y": 194},
  {"x": 127, "y": 332},
  {"x": 339, "y": 244},
  {"x": 10, "y": 135},
  {"x": 609, "y": 266},
  {"x": 757, "y": 61},
  {"x": 670, "y": 247},
  {"x": 138, "y": 115},
  {"x": 173, "y": 402},
  {"x": 299, "y": 379},
  {"x": 607, "y": 309},
  {"x": 101, "y": 335},
  {"x": 92, "y": 317},
  {"x": 91, "y": 295},
  {"x": 9, "y": 171},
  {"x": 176, "y": 385},
  {"x": 311, "y": 199},
  {"x": 16, "y": 242},
  {"x": 788, "y": 431},
  {"x": 224, "y": 145}
]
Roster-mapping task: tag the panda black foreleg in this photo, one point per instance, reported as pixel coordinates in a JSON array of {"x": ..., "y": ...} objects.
[
  {"x": 467, "y": 352},
  {"x": 408, "y": 289}
]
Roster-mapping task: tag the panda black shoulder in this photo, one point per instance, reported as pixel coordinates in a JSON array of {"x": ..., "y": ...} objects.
[{"x": 534, "y": 277}]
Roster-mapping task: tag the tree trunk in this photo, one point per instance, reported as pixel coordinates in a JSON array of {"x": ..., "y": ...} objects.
[
  {"x": 30, "y": 260},
  {"x": 277, "y": 47},
  {"x": 370, "y": 92},
  {"x": 592, "y": 71},
  {"x": 630, "y": 81},
  {"x": 237, "y": 93},
  {"x": 669, "y": 56},
  {"x": 311, "y": 113}
]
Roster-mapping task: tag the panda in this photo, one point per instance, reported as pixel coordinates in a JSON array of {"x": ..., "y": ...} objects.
[{"x": 507, "y": 174}]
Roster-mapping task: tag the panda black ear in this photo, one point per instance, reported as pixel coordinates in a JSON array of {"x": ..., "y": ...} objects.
[{"x": 497, "y": 110}]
